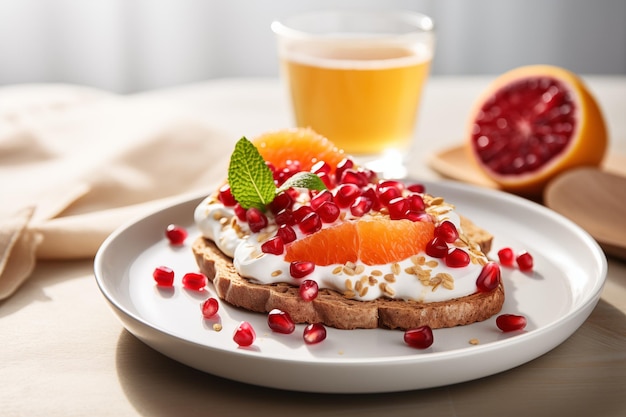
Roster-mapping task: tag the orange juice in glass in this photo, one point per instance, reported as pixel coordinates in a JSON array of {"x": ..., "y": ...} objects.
[{"x": 357, "y": 77}]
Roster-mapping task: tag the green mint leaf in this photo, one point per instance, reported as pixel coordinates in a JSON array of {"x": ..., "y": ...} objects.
[
  {"x": 303, "y": 179},
  {"x": 251, "y": 180}
]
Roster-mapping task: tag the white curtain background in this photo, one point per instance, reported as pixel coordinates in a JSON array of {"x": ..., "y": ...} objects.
[{"x": 133, "y": 45}]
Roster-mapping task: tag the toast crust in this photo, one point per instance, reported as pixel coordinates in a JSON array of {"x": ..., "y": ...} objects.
[{"x": 333, "y": 309}]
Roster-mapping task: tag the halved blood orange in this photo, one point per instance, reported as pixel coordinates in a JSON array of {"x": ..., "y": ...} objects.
[
  {"x": 375, "y": 241},
  {"x": 533, "y": 123},
  {"x": 297, "y": 144}
]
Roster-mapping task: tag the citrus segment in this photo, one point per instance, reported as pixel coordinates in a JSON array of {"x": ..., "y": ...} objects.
[
  {"x": 533, "y": 123},
  {"x": 333, "y": 245},
  {"x": 376, "y": 241},
  {"x": 297, "y": 144},
  {"x": 382, "y": 241}
]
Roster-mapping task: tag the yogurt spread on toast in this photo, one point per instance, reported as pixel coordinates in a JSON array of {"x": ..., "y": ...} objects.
[{"x": 419, "y": 277}]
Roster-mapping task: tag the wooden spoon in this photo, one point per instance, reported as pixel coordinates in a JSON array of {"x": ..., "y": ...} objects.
[{"x": 596, "y": 201}]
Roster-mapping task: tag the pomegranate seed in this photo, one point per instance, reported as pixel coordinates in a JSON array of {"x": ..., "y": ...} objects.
[
  {"x": 346, "y": 194},
  {"x": 256, "y": 219},
  {"x": 447, "y": 231},
  {"x": 386, "y": 194},
  {"x": 416, "y": 188},
  {"x": 357, "y": 178},
  {"x": 390, "y": 183},
  {"x": 321, "y": 197},
  {"x": 273, "y": 246},
  {"x": 240, "y": 212},
  {"x": 510, "y": 322},
  {"x": 209, "y": 308},
  {"x": 361, "y": 206},
  {"x": 321, "y": 166},
  {"x": 371, "y": 195},
  {"x": 280, "y": 321},
  {"x": 226, "y": 196},
  {"x": 308, "y": 290},
  {"x": 310, "y": 224},
  {"x": 343, "y": 165},
  {"x": 286, "y": 234},
  {"x": 301, "y": 212},
  {"x": 398, "y": 207},
  {"x": 457, "y": 258},
  {"x": 281, "y": 202},
  {"x": 176, "y": 234},
  {"x": 524, "y": 261},
  {"x": 437, "y": 248},
  {"x": 506, "y": 257},
  {"x": 419, "y": 337},
  {"x": 489, "y": 277},
  {"x": 328, "y": 212},
  {"x": 300, "y": 269},
  {"x": 244, "y": 334},
  {"x": 314, "y": 333},
  {"x": 285, "y": 217},
  {"x": 416, "y": 203},
  {"x": 163, "y": 276},
  {"x": 194, "y": 281}
]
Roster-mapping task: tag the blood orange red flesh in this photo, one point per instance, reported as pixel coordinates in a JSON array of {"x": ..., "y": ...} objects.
[{"x": 533, "y": 123}]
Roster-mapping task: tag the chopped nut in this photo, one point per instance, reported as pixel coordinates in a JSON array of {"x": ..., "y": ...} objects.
[
  {"x": 372, "y": 280},
  {"x": 337, "y": 270},
  {"x": 395, "y": 268},
  {"x": 276, "y": 273},
  {"x": 377, "y": 272},
  {"x": 390, "y": 277},
  {"x": 217, "y": 327},
  {"x": 386, "y": 289},
  {"x": 348, "y": 284},
  {"x": 474, "y": 341}
]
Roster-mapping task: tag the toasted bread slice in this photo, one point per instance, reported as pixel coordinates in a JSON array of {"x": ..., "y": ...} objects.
[{"x": 333, "y": 309}]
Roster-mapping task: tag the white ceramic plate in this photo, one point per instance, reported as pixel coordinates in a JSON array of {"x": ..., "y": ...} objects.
[{"x": 570, "y": 270}]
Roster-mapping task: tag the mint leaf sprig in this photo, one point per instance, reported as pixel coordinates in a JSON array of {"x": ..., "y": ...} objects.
[{"x": 251, "y": 180}]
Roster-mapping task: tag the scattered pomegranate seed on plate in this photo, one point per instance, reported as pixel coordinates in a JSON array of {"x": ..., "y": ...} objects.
[
  {"x": 164, "y": 276},
  {"x": 419, "y": 337},
  {"x": 314, "y": 333},
  {"x": 524, "y": 261},
  {"x": 280, "y": 321},
  {"x": 176, "y": 234},
  {"x": 194, "y": 281},
  {"x": 244, "y": 334},
  {"x": 510, "y": 322},
  {"x": 506, "y": 257},
  {"x": 209, "y": 308}
]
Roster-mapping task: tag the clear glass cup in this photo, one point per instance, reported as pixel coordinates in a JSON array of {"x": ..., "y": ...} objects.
[{"x": 356, "y": 77}]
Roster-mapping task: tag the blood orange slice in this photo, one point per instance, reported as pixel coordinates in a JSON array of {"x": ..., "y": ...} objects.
[{"x": 533, "y": 123}]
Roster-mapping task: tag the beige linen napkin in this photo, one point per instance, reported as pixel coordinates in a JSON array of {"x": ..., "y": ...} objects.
[{"x": 76, "y": 163}]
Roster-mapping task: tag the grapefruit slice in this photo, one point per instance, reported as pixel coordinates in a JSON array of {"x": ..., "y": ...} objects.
[{"x": 533, "y": 123}]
